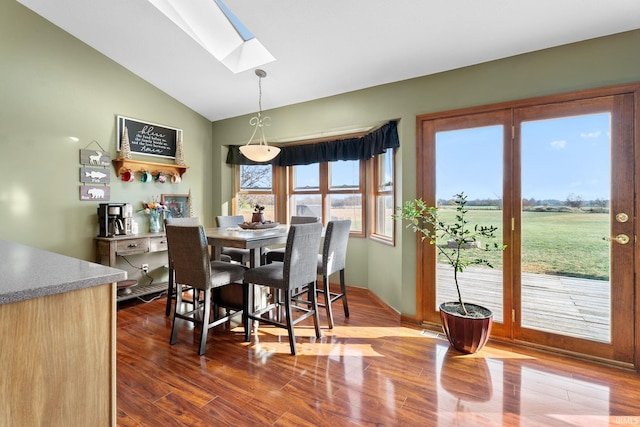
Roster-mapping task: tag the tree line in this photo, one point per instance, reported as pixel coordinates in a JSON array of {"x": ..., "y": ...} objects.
[{"x": 572, "y": 201}]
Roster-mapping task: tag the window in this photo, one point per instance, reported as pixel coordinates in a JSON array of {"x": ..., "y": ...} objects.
[
  {"x": 329, "y": 190},
  {"x": 383, "y": 200},
  {"x": 254, "y": 185},
  {"x": 306, "y": 199}
]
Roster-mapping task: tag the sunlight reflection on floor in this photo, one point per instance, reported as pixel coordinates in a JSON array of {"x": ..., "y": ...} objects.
[{"x": 336, "y": 348}]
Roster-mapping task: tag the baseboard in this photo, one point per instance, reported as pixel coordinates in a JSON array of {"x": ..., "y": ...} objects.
[{"x": 366, "y": 292}]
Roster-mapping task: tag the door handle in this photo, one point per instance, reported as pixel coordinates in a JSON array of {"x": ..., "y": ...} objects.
[{"x": 623, "y": 239}]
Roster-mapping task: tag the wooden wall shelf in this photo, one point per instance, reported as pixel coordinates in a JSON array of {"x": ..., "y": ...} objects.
[{"x": 122, "y": 165}]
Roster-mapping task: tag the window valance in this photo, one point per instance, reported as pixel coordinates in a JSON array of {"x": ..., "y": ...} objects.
[{"x": 361, "y": 148}]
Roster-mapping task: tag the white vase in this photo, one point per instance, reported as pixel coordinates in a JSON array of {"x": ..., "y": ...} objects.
[{"x": 155, "y": 224}]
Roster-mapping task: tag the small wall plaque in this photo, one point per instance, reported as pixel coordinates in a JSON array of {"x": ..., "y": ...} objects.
[
  {"x": 95, "y": 193},
  {"x": 95, "y": 158},
  {"x": 95, "y": 175}
]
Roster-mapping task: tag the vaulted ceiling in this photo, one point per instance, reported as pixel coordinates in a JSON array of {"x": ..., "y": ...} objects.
[{"x": 329, "y": 47}]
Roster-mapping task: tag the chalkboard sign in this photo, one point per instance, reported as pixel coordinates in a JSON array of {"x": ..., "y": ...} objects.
[{"x": 149, "y": 138}]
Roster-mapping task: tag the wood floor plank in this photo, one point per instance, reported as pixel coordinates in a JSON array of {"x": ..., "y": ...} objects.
[{"x": 370, "y": 370}]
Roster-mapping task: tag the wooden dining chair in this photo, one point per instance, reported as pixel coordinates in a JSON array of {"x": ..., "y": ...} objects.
[
  {"x": 295, "y": 276},
  {"x": 171, "y": 289},
  {"x": 242, "y": 256},
  {"x": 332, "y": 260},
  {"x": 277, "y": 255},
  {"x": 189, "y": 252}
]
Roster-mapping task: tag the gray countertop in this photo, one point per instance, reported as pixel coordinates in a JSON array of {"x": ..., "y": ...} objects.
[{"x": 28, "y": 273}]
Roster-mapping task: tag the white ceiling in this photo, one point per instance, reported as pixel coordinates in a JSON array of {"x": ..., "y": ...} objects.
[{"x": 329, "y": 47}]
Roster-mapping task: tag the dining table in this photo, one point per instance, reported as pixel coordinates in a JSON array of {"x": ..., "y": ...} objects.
[{"x": 256, "y": 240}]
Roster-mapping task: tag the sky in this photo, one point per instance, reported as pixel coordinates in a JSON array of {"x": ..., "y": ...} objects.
[
  {"x": 344, "y": 174},
  {"x": 560, "y": 158}
]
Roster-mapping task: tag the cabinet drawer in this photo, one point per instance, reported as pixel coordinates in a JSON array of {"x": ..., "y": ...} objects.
[
  {"x": 132, "y": 246},
  {"x": 157, "y": 244}
]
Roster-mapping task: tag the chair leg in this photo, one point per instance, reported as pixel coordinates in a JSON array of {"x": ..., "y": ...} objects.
[
  {"x": 327, "y": 300},
  {"x": 195, "y": 303},
  {"x": 279, "y": 295},
  {"x": 289, "y": 319},
  {"x": 215, "y": 309},
  {"x": 196, "y": 298},
  {"x": 205, "y": 322},
  {"x": 247, "y": 291},
  {"x": 313, "y": 298},
  {"x": 343, "y": 289},
  {"x": 174, "y": 329},
  {"x": 167, "y": 310}
]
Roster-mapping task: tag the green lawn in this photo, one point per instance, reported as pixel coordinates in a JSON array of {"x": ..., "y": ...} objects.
[{"x": 568, "y": 244}]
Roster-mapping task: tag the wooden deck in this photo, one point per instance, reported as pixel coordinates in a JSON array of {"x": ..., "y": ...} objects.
[{"x": 582, "y": 305}]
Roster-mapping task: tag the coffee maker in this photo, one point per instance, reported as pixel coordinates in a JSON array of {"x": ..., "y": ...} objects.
[{"x": 115, "y": 219}]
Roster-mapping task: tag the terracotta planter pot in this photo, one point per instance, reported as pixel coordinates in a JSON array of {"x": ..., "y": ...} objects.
[
  {"x": 467, "y": 334},
  {"x": 257, "y": 217}
]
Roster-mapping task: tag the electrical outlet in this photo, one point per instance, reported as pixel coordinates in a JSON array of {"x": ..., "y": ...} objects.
[{"x": 145, "y": 268}]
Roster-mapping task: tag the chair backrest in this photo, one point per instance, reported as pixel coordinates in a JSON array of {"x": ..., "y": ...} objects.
[
  {"x": 296, "y": 219},
  {"x": 182, "y": 221},
  {"x": 301, "y": 254},
  {"x": 229, "y": 220},
  {"x": 334, "y": 250},
  {"x": 189, "y": 254}
]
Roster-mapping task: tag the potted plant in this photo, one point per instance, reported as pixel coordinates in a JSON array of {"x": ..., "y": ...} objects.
[
  {"x": 466, "y": 325},
  {"x": 258, "y": 214}
]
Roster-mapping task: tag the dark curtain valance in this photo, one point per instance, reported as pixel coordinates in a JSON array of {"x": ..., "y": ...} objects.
[{"x": 362, "y": 148}]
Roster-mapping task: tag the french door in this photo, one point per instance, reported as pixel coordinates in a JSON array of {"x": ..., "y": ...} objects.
[{"x": 557, "y": 178}]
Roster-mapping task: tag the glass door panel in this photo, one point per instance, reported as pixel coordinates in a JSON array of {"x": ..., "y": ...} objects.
[
  {"x": 566, "y": 197},
  {"x": 574, "y": 289},
  {"x": 470, "y": 160}
]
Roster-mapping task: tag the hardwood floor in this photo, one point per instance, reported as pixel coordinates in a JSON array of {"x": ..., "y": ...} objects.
[{"x": 371, "y": 370}]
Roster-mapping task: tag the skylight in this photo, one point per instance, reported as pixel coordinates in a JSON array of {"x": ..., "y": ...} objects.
[
  {"x": 212, "y": 25},
  {"x": 238, "y": 25}
]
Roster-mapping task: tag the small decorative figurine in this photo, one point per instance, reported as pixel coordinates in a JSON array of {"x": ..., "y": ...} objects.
[
  {"x": 125, "y": 149},
  {"x": 258, "y": 214}
]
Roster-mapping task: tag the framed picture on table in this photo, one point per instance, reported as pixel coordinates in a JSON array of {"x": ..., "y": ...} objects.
[{"x": 176, "y": 205}]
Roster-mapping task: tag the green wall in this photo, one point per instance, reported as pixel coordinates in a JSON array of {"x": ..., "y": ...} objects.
[
  {"x": 52, "y": 86},
  {"x": 595, "y": 63}
]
